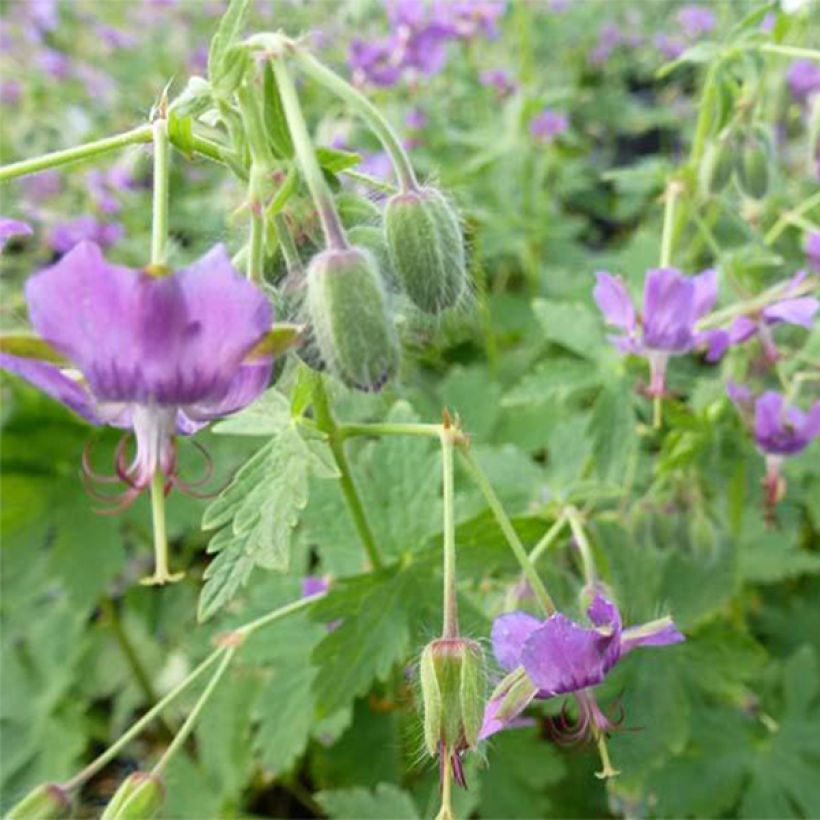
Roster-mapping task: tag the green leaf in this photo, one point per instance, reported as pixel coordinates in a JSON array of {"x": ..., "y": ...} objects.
[
  {"x": 366, "y": 645},
  {"x": 612, "y": 427},
  {"x": 267, "y": 416},
  {"x": 386, "y": 800},
  {"x": 335, "y": 160},
  {"x": 571, "y": 325},
  {"x": 227, "y": 33},
  {"x": 553, "y": 380},
  {"x": 276, "y": 123}
]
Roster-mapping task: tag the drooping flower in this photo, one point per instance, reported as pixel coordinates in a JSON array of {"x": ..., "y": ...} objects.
[
  {"x": 158, "y": 355},
  {"x": 792, "y": 310},
  {"x": 548, "y": 125},
  {"x": 12, "y": 227},
  {"x": 672, "y": 304},
  {"x": 556, "y": 656}
]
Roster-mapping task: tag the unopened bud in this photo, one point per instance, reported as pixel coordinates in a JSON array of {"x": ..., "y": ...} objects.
[
  {"x": 427, "y": 248},
  {"x": 753, "y": 166},
  {"x": 452, "y": 687},
  {"x": 139, "y": 797},
  {"x": 717, "y": 166},
  {"x": 47, "y": 802},
  {"x": 351, "y": 324}
]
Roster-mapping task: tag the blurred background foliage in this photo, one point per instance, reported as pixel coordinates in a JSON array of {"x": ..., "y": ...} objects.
[{"x": 314, "y": 723}]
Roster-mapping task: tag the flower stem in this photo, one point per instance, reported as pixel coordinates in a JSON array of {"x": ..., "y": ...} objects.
[
  {"x": 789, "y": 217},
  {"x": 510, "y": 534},
  {"x": 142, "y": 134},
  {"x": 327, "y": 424},
  {"x": 378, "y": 124},
  {"x": 673, "y": 190},
  {"x": 387, "y": 429},
  {"x": 159, "y": 225},
  {"x": 255, "y": 259},
  {"x": 446, "y": 810},
  {"x": 320, "y": 192},
  {"x": 548, "y": 539},
  {"x": 249, "y": 628},
  {"x": 113, "y": 750},
  {"x": 450, "y": 628},
  {"x": 190, "y": 721},
  {"x": 161, "y": 574},
  {"x": 791, "y": 51},
  {"x": 574, "y": 519},
  {"x": 608, "y": 769}
]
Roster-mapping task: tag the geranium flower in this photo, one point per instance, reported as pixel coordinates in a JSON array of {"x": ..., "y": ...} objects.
[
  {"x": 158, "y": 355},
  {"x": 556, "y": 656},
  {"x": 12, "y": 227},
  {"x": 672, "y": 304},
  {"x": 548, "y": 125}
]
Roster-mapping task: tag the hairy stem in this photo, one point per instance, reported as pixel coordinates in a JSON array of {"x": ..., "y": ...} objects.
[
  {"x": 510, "y": 534},
  {"x": 327, "y": 424},
  {"x": 574, "y": 519},
  {"x": 450, "y": 627},
  {"x": 352, "y": 430},
  {"x": 159, "y": 224},
  {"x": 547, "y": 540},
  {"x": 161, "y": 573}
]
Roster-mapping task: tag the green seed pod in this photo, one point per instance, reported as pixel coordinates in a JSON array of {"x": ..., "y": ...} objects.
[
  {"x": 717, "y": 166},
  {"x": 351, "y": 324},
  {"x": 372, "y": 238},
  {"x": 139, "y": 797},
  {"x": 47, "y": 802},
  {"x": 753, "y": 167},
  {"x": 452, "y": 687},
  {"x": 427, "y": 248}
]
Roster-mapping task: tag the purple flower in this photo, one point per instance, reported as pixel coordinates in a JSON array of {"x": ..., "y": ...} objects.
[
  {"x": 10, "y": 92},
  {"x": 471, "y": 18},
  {"x": 696, "y": 20},
  {"x": 671, "y": 306},
  {"x": 377, "y": 63},
  {"x": 803, "y": 79},
  {"x": 609, "y": 38},
  {"x": 115, "y": 39},
  {"x": 498, "y": 79},
  {"x": 416, "y": 119},
  {"x": 559, "y": 656},
  {"x": 157, "y": 354},
  {"x": 812, "y": 249},
  {"x": 548, "y": 125},
  {"x": 12, "y": 227},
  {"x": 779, "y": 430},
  {"x": 670, "y": 47},
  {"x": 42, "y": 186},
  {"x": 789, "y": 310},
  {"x": 66, "y": 235},
  {"x": 54, "y": 63},
  {"x": 313, "y": 585}
]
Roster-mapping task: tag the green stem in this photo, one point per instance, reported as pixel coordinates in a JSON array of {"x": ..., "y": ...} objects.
[
  {"x": 704, "y": 121},
  {"x": 142, "y": 134},
  {"x": 159, "y": 226},
  {"x": 327, "y": 424},
  {"x": 450, "y": 628},
  {"x": 255, "y": 259},
  {"x": 590, "y": 576},
  {"x": 371, "y": 182},
  {"x": 673, "y": 190},
  {"x": 190, "y": 721},
  {"x": 791, "y": 51},
  {"x": 320, "y": 192},
  {"x": 246, "y": 630},
  {"x": 509, "y": 531},
  {"x": 446, "y": 810},
  {"x": 427, "y": 430},
  {"x": 113, "y": 750},
  {"x": 355, "y": 99},
  {"x": 547, "y": 540},
  {"x": 161, "y": 574},
  {"x": 290, "y": 253},
  {"x": 786, "y": 219}
]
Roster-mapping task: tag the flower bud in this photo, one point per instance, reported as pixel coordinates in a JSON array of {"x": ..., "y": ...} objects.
[
  {"x": 426, "y": 247},
  {"x": 753, "y": 166},
  {"x": 452, "y": 687},
  {"x": 351, "y": 324},
  {"x": 47, "y": 802},
  {"x": 717, "y": 166},
  {"x": 139, "y": 797}
]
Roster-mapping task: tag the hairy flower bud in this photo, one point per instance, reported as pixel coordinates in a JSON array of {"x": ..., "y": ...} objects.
[
  {"x": 753, "y": 165},
  {"x": 139, "y": 797},
  {"x": 717, "y": 166},
  {"x": 452, "y": 686},
  {"x": 47, "y": 802},
  {"x": 351, "y": 324},
  {"x": 427, "y": 248}
]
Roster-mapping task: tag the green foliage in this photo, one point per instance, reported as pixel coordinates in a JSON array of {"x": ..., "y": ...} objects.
[{"x": 384, "y": 801}]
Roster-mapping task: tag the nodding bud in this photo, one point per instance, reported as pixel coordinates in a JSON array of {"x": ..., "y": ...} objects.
[
  {"x": 753, "y": 165},
  {"x": 47, "y": 802},
  {"x": 351, "y": 324},
  {"x": 452, "y": 687},
  {"x": 139, "y": 797},
  {"x": 717, "y": 166},
  {"x": 427, "y": 248}
]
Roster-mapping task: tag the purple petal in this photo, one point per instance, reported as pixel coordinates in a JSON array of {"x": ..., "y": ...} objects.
[
  {"x": 742, "y": 328},
  {"x": 53, "y": 382},
  {"x": 494, "y": 723},
  {"x": 717, "y": 343},
  {"x": 313, "y": 585},
  {"x": 250, "y": 381},
  {"x": 604, "y": 614},
  {"x": 509, "y": 633},
  {"x": 561, "y": 656},
  {"x": 793, "y": 311},
  {"x": 657, "y": 633},
  {"x": 739, "y": 394},
  {"x": 813, "y": 249},
  {"x": 669, "y": 310},
  {"x": 705, "y": 292},
  {"x": 779, "y": 430},
  {"x": 613, "y": 299},
  {"x": 12, "y": 227}
]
